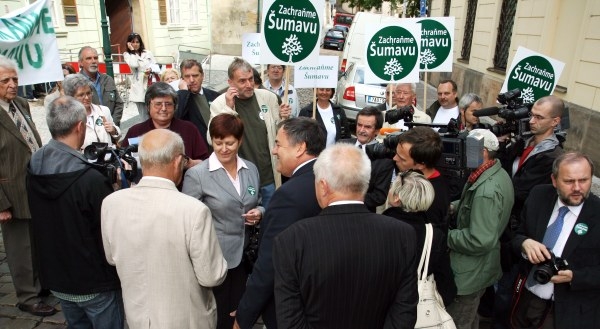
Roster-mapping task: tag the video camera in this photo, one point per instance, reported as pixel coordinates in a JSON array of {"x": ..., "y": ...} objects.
[
  {"x": 403, "y": 113},
  {"x": 109, "y": 159},
  {"x": 514, "y": 113}
]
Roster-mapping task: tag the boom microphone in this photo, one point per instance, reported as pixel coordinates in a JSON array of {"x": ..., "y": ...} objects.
[{"x": 486, "y": 112}]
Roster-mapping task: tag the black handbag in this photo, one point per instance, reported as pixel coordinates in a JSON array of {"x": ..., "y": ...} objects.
[{"x": 250, "y": 253}]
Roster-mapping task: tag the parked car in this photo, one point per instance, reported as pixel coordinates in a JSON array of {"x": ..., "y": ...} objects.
[
  {"x": 353, "y": 94},
  {"x": 343, "y": 28},
  {"x": 334, "y": 39}
]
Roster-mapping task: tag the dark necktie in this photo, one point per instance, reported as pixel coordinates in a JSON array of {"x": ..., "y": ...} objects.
[{"x": 22, "y": 126}]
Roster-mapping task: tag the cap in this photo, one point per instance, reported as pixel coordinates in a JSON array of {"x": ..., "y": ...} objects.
[{"x": 490, "y": 141}]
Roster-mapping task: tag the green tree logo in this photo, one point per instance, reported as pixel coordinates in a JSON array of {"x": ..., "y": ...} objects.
[
  {"x": 392, "y": 53},
  {"x": 435, "y": 44},
  {"x": 291, "y": 29},
  {"x": 534, "y": 76}
]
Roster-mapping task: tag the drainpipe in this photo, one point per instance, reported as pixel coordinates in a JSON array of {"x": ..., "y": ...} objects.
[{"x": 258, "y": 16}]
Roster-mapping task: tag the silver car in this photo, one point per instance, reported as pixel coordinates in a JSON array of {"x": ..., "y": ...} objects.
[{"x": 353, "y": 94}]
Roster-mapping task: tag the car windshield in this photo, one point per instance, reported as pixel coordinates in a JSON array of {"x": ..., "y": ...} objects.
[{"x": 335, "y": 34}]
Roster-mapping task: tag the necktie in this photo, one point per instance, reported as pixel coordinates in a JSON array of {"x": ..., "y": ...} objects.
[
  {"x": 550, "y": 237},
  {"x": 553, "y": 231},
  {"x": 22, "y": 126}
]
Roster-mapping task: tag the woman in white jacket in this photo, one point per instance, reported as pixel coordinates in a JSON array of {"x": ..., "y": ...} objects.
[{"x": 143, "y": 67}]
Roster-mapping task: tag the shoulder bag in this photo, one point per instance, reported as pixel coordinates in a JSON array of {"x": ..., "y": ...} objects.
[{"x": 431, "y": 312}]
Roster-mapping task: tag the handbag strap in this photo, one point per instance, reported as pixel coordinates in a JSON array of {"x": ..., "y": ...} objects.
[{"x": 425, "y": 255}]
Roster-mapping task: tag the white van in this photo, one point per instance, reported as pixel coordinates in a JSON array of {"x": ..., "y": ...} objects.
[{"x": 352, "y": 93}]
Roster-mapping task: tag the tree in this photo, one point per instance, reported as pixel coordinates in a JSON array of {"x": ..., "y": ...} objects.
[
  {"x": 392, "y": 67},
  {"x": 427, "y": 57},
  {"x": 527, "y": 96},
  {"x": 291, "y": 46}
]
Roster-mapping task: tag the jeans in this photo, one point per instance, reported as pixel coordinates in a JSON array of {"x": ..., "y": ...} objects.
[
  {"x": 103, "y": 312},
  {"x": 267, "y": 193}
]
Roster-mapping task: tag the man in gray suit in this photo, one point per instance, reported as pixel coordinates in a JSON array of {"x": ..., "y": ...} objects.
[
  {"x": 18, "y": 140},
  {"x": 163, "y": 243}
]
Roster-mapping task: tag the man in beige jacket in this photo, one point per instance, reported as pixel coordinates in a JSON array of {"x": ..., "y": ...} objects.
[
  {"x": 163, "y": 243},
  {"x": 258, "y": 109}
]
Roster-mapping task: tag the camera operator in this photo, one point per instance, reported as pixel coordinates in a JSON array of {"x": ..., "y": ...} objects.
[
  {"x": 561, "y": 220},
  {"x": 65, "y": 195},
  {"x": 420, "y": 148},
  {"x": 529, "y": 162},
  {"x": 404, "y": 96},
  {"x": 369, "y": 121}
]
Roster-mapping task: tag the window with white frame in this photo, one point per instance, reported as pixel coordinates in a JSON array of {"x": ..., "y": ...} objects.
[
  {"x": 174, "y": 14},
  {"x": 194, "y": 12}
]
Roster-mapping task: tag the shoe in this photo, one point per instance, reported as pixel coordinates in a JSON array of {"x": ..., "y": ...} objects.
[{"x": 39, "y": 309}]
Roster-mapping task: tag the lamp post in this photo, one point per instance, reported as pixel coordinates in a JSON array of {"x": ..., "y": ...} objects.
[{"x": 106, "y": 39}]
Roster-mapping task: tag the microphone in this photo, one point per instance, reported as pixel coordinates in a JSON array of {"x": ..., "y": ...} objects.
[{"x": 486, "y": 112}]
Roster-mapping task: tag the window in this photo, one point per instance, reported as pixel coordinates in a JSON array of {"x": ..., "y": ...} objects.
[
  {"x": 194, "y": 12},
  {"x": 507, "y": 20},
  {"x": 174, "y": 12},
  {"x": 465, "y": 53},
  {"x": 70, "y": 12}
]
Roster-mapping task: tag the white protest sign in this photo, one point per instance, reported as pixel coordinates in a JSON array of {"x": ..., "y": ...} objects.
[
  {"x": 392, "y": 52},
  {"x": 251, "y": 47},
  {"x": 536, "y": 75},
  {"x": 27, "y": 37},
  {"x": 322, "y": 75},
  {"x": 291, "y": 31},
  {"x": 437, "y": 44}
]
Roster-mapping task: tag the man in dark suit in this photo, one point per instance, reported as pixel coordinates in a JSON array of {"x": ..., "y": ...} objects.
[
  {"x": 563, "y": 220},
  {"x": 298, "y": 143},
  {"x": 369, "y": 121},
  {"x": 194, "y": 102},
  {"x": 346, "y": 267},
  {"x": 18, "y": 140}
]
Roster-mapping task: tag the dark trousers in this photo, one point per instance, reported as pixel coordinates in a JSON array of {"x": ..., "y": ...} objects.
[
  {"x": 228, "y": 295},
  {"x": 18, "y": 244},
  {"x": 532, "y": 312}
]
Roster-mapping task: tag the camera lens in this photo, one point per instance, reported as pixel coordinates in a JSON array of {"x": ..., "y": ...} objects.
[{"x": 543, "y": 274}]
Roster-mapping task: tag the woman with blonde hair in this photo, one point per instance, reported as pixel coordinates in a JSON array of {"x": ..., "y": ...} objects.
[{"x": 410, "y": 195}]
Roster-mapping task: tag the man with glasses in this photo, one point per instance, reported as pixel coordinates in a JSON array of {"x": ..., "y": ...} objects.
[
  {"x": 276, "y": 83},
  {"x": 161, "y": 101},
  {"x": 529, "y": 163},
  {"x": 105, "y": 90}
]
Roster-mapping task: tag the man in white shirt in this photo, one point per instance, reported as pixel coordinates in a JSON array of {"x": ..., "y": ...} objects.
[
  {"x": 404, "y": 94},
  {"x": 276, "y": 83},
  {"x": 446, "y": 107}
]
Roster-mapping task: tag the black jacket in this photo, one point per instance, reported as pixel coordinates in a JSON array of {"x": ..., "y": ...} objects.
[
  {"x": 65, "y": 196},
  {"x": 186, "y": 110},
  {"x": 439, "y": 262},
  {"x": 342, "y": 127}
]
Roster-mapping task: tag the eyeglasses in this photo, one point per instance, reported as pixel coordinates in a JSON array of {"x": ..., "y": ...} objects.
[
  {"x": 159, "y": 105},
  {"x": 185, "y": 159},
  {"x": 133, "y": 34},
  {"x": 276, "y": 67}
]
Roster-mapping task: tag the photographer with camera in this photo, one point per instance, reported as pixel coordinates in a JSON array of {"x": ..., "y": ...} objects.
[
  {"x": 65, "y": 195},
  {"x": 481, "y": 215},
  {"x": 529, "y": 163},
  {"x": 420, "y": 148},
  {"x": 559, "y": 220},
  {"x": 404, "y": 110}
]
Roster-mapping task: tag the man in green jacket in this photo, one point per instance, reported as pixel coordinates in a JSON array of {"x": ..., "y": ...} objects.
[{"x": 482, "y": 214}]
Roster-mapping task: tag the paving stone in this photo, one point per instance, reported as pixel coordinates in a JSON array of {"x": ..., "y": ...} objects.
[
  {"x": 57, "y": 318},
  {"x": 9, "y": 299},
  {"x": 7, "y": 288},
  {"x": 51, "y": 326},
  {"x": 6, "y": 278},
  {"x": 7, "y": 323}
]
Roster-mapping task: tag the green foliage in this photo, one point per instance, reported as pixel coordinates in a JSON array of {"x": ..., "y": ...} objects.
[{"x": 412, "y": 9}]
